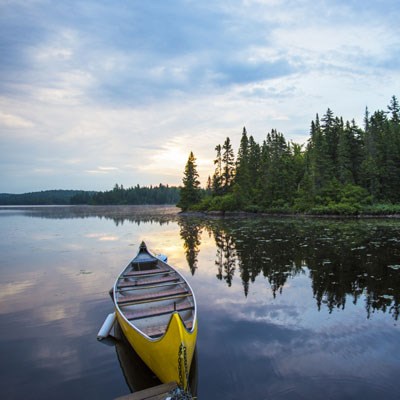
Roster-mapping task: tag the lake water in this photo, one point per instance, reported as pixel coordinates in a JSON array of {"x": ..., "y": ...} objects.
[{"x": 288, "y": 308}]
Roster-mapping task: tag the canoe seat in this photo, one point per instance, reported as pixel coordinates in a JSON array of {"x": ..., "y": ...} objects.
[
  {"x": 145, "y": 272},
  {"x": 153, "y": 296},
  {"x": 154, "y": 331},
  {"x": 156, "y": 311},
  {"x": 148, "y": 281}
]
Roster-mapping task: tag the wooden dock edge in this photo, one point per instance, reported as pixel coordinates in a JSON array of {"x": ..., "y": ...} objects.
[{"x": 159, "y": 392}]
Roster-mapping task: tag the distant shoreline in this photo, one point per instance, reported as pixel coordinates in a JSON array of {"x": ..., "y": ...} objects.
[{"x": 161, "y": 194}]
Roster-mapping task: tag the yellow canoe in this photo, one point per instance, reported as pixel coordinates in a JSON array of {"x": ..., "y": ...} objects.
[{"x": 156, "y": 309}]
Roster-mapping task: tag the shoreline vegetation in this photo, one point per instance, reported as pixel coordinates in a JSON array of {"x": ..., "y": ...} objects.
[
  {"x": 342, "y": 170},
  {"x": 245, "y": 214}
]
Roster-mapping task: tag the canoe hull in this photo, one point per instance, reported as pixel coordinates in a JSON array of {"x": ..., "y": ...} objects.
[{"x": 162, "y": 356}]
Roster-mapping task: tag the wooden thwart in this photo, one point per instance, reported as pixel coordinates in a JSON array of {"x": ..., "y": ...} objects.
[
  {"x": 145, "y": 272},
  {"x": 156, "y": 311},
  {"x": 152, "y": 296},
  {"x": 159, "y": 392},
  {"x": 148, "y": 281}
]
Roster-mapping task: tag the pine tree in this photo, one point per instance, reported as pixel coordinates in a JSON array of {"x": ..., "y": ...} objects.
[
  {"x": 394, "y": 108},
  {"x": 242, "y": 162},
  {"x": 228, "y": 162},
  {"x": 254, "y": 161},
  {"x": 242, "y": 182},
  {"x": 276, "y": 184},
  {"x": 209, "y": 185},
  {"x": 373, "y": 166},
  {"x": 345, "y": 169},
  {"x": 217, "y": 177},
  {"x": 320, "y": 159},
  {"x": 331, "y": 128},
  {"x": 190, "y": 192}
]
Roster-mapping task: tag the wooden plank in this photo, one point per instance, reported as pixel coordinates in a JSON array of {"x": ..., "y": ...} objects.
[
  {"x": 156, "y": 311},
  {"x": 145, "y": 272},
  {"x": 155, "y": 393},
  {"x": 181, "y": 296},
  {"x": 152, "y": 296},
  {"x": 154, "y": 331},
  {"x": 148, "y": 281}
]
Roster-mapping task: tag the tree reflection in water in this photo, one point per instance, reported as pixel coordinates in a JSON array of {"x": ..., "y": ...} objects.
[
  {"x": 226, "y": 256},
  {"x": 345, "y": 260},
  {"x": 190, "y": 233}
]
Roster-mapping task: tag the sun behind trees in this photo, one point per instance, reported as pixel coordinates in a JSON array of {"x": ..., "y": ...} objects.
[{"x": 343, "y": 169}]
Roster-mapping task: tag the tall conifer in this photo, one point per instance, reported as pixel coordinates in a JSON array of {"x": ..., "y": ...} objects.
[
  {"x": 228, "y": 163},
  {"x": 190, "y": 192}
]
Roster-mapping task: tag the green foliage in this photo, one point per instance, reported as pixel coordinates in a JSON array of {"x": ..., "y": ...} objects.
[
  {"x": 228, "y": 162},
  {"x": 204, "y": 204},
  {"x": 242, "y": 175},
  {"x": 342, "y": 170},
  {"x": 381, "y": 209},
  {"x": 161, "y": 194},
  {"x": 216, "y": 184},
  {"x": 355, "y": 195},
  {"x": 227, "y": 202},
  {"x": 335, "y": 209}
]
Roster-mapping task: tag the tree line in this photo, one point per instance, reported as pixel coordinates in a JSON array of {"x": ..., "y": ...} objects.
[
  {"x": 138, "y": 195},
  {"x": 342, "y": 169},
  {"x": 49, "y": 197}
]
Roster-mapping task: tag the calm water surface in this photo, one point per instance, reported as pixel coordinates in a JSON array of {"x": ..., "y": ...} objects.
[{"x": 288, "y": 308}]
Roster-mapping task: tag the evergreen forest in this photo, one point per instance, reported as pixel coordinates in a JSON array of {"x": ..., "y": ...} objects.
[
  {"x": 137, "y": 195},
  {"x": 50, "y": 197},
  {"x": 342, "y": 169},
  {"x": 161, "y": 194}
]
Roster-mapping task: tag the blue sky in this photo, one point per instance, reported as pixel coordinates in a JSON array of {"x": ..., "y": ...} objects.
[{"x": 94, "y": 93}]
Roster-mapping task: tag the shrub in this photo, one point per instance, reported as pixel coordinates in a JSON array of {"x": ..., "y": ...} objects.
[
  {"x": 204, "y": 204},
  {"x": 382, "y": 209},
  {"x": 229, "y": 203},
  {"x": 252, "y": 208},
  {"x": 335, "y": 209}
]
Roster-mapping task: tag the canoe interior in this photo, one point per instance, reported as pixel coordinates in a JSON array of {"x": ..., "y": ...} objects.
[{"x": 148, "y": 291}]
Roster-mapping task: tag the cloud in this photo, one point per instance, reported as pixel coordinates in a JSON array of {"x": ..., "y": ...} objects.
[
  {"x": 137, "y": 85},
  {"x": 14, "y": 121},
  {"x": 102, "y": 170}
]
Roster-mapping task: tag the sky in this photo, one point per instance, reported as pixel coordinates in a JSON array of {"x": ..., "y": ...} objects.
[{"x": 98, "y": 92}]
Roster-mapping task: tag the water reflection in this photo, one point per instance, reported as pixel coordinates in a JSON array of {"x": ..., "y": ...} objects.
[
  {"x": 357, "y": 261},
  {"x": 226, "y": 256},
  {"x": 119, "y": 214},
  {"x": 283, "y": 304},
  {"x": 190, "y": 233},
  {"x": 345, "y": 261}
]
